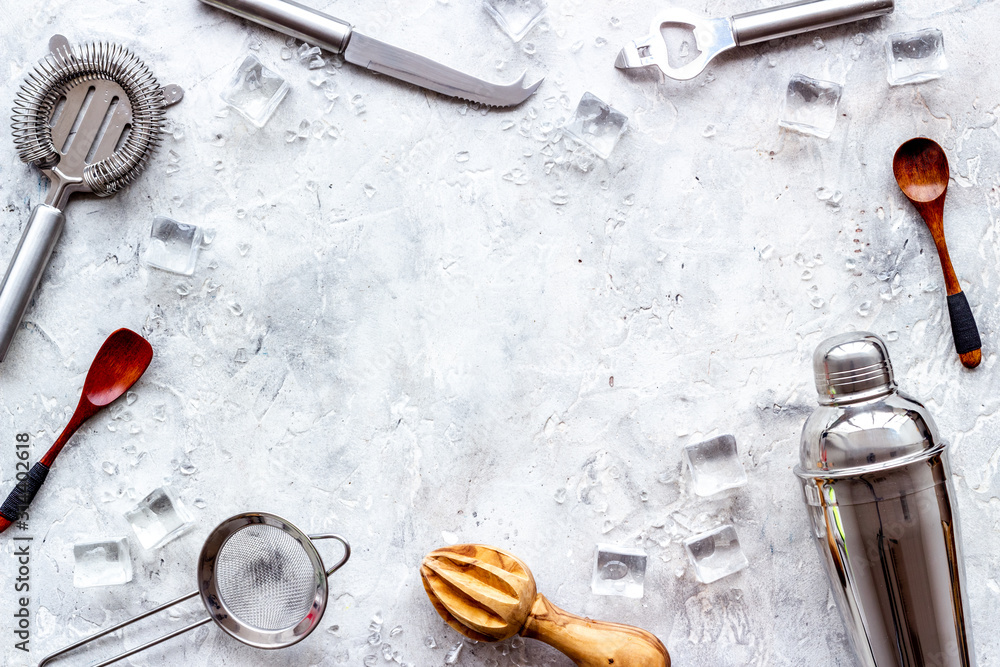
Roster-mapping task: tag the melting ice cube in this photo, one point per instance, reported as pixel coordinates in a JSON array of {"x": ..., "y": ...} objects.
[
  {"x": 173, "y": 246},
  {"x": 515, "y": 17},
  {"x": 810, "y": 106},
  {"x": 597, "y": 124},
  {"x": 715, "y": 465},
  {"x": 158, "y": 518},
  {"x": 715, "y": 554},
  {"x": 915, "y": 57},
  {"x": 618, "y": 571},
  {"x": 254, "y": 90},
  {"x": 102, "y": 563}
]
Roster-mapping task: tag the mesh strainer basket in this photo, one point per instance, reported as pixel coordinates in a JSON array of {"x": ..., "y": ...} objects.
[{"x": 261, "y": 580}]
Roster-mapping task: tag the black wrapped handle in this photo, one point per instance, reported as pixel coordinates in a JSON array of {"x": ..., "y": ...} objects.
[
  {"x": 963, "y": 324},
  {"x": 24, "y": 492}
]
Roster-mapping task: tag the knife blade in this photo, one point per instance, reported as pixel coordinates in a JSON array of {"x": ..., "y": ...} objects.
[
  {"x": 332, "y": 34},
  {"x": 420, "y": 71}
]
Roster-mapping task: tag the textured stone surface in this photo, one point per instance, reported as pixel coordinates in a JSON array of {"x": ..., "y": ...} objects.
[{"x": 406, "y": 331}]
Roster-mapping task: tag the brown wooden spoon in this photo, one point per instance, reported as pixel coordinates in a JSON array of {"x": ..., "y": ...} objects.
[
  {"x": 119, "y": 363},
  {"x": 489, "y": 595},
  {"x": 921, "y": 170}
]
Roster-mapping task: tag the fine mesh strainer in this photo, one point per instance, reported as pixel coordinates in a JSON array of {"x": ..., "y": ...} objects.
[{"x": 261, "y": 580}]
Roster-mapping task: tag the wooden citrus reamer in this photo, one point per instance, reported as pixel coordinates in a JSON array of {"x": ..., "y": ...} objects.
[{"x": 489, "y": 595}]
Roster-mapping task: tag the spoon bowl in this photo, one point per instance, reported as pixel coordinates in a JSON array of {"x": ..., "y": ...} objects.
[
  {"x": 921, "y": 170},
  {"x": 119, "y": 363}
]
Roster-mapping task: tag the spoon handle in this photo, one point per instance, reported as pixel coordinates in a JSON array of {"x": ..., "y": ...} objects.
[
  {"x": 22, "y": 495},
  {"x": 964, "y": 330}
]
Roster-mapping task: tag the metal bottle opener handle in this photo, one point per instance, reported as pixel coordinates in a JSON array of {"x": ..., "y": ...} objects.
[{"x": 713, "y": 36}]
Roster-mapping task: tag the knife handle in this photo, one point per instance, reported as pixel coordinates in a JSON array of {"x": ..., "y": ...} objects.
[{"x": 293, "y": 19}]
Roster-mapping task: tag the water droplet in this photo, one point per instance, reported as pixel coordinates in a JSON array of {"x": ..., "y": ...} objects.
[
  {"x": 865, "y": 309},
  {"x": 892, "y": 336},
  {"x": 709, "y": 131},
  {"x": 396, "y": 631},
  {"x": 817, "y": 302},
  {"x": 369, "y": 190},
  {"x": 109, "y": 467},
  {"x": 429, "y": 642},
  {"x": 131, "y": 397},
  {"x": 462, "y": 156},
  {"x": 241, "y": 356},
  {"x": 600, "y": 41},
  {"x": 576, "y": 46}
]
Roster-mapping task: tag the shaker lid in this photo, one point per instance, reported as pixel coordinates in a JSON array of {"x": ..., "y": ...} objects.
[{"x": 852, "y": 366}]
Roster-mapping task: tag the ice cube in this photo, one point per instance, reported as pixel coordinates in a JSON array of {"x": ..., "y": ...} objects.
[
  {"x": 102, "y": 563},
  {"x": 173, "y": 246},
  {"x": 254, "y": 90},
  {"x": 515, "y": 17},
  {"x": 714, "y": 465},
  {"x": 597, "y": 124},
  {"x": 915, "y": 57},
  {"x": 618, "y": 571},
  {"x": 810, "y": 106},
  {"x": 158, "y": 518},
  {"x": 715, "y": 554}
]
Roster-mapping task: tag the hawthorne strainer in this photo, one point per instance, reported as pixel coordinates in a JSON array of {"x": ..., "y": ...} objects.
[{"x": 261, "y": 580}]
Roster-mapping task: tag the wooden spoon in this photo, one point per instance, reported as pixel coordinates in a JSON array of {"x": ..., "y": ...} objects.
[
  {"x": 489, "y": 595},
  {"x": 121, "y": 361},
  {"x": 921, "y": 169}
]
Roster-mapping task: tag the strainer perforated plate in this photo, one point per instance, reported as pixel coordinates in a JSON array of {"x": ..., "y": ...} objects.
[{"x": 262, "y": 580}]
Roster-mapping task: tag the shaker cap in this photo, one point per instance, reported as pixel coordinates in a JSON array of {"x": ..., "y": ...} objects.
[{"x": 852, "y": 366}]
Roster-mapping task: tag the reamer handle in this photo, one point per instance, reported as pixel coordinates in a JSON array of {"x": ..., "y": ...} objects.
[
  {"x": 797, "y": 17},
  {"x": 39, "y": 238},
  {"x": 293, "y": 19}
]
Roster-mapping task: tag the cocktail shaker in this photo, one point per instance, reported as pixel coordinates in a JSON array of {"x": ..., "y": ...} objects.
[{"x": 878, "y": 489}]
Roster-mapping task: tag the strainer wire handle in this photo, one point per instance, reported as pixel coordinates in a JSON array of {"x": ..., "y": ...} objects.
[
  {"x": 137, "y": 649},
  {"x": 331, "y": 536}
]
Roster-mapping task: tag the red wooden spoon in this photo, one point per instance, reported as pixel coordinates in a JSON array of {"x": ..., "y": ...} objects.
[{"x": 121, "y": 361}]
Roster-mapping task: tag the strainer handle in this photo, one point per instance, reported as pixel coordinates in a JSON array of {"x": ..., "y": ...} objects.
[
  {"x": 347, "y": 549},
  {"x": 39, "y": 238},
  {"x": 137, "y": 649}
]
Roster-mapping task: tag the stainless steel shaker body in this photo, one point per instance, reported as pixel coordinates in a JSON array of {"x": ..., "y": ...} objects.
[{"x": 878, "y": 489}]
